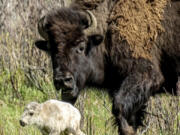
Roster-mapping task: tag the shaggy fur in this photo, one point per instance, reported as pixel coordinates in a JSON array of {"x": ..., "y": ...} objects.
[
  {"x": 139, "y": 23},
  {"x": 137, "y": 59},
  {"x": 52, "y": 117}
]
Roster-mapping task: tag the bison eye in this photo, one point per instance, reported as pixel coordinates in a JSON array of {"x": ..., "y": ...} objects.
[
  {"x": 31, "y": 113},
  {"x": 80, "y": 49}
]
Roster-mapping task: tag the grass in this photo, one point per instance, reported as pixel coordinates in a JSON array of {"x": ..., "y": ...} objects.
[
  {"x": 12, "y": 107},
  {"x": 9, "y": 121},
  {"x": 163, "y": 116},
  {"x": 95, "y": 110}
]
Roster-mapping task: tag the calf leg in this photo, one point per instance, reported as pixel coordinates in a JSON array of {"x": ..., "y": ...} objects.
[
  {"x": 75, "y": 131},
  {"x": 54, "y": 133},
  {"x": 131, "y": 98},
  {"x": 79, "y": 132}
]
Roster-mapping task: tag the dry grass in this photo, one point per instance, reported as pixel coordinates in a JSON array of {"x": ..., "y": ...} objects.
[{"x": 163, "y": 116}]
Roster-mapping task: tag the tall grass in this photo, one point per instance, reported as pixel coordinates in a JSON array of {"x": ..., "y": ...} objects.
[{"x": 26, "y": 75}]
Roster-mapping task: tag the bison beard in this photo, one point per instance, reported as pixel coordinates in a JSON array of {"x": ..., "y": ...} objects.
[{"x": 130, "y": 65}]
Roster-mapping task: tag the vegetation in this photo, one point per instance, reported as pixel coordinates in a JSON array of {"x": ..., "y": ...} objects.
[{"x": 25, "y": 76}]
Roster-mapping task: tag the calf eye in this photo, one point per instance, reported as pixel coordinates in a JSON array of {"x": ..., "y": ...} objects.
[{"x": 31, "y": 113}]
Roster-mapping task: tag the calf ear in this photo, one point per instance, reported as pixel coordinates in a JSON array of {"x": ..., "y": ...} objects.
[
  {"x": 35, "y": 106},
  {"x": 42, "y": 45},
  {"x": 95, "y": 40}
]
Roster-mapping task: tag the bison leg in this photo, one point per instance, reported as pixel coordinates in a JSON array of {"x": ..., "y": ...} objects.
[{"x": 130, "y": 100}]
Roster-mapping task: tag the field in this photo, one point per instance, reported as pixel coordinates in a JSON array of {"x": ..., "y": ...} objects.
[
  {"x": 25, "y": 76},
  {"x": 163, "y": 115}
]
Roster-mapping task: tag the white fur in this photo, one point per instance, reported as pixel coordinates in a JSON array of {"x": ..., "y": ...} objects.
[{"x": 52, "y": 117}]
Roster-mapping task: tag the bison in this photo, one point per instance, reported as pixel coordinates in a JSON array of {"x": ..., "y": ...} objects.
[{"x": 131, "y": 48}]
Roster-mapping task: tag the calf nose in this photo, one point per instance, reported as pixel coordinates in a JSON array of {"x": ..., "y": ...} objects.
[{"x": 22, "y": 123}]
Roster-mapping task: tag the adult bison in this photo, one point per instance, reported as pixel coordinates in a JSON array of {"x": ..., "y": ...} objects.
[{"x": 132, "y": 48}]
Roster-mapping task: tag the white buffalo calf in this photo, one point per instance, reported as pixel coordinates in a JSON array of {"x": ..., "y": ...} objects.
[{"x": 52, "y": 117}]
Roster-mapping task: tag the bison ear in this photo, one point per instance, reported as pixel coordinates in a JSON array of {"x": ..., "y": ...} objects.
[
  {"x": 95, "y": 40},
  {"x": 42, "y": 45},
  {"x": 84, "y": 23}
]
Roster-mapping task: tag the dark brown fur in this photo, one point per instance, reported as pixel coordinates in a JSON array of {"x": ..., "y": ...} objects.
[{"x": 80, "y": 60}]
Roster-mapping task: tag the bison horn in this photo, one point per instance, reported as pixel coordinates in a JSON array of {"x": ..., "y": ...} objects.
[
  {"x": 41, "y": 28},
  {"x": 92, "y": 25}
]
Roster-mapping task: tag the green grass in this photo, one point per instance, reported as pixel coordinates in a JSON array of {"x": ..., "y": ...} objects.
[
  {"x": 13, "y": 100},
  {"x": 9, "y": 121},
  {"x": 95, "y": 109}
]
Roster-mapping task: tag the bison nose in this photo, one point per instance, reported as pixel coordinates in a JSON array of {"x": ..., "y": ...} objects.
[
  {"x": 64, "y": 82},
  {"x": 68, "y": 82},
  {"x": 22, "y": 123}
]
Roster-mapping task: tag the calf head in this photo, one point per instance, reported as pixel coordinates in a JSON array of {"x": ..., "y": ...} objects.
[
  {"x": 69, "y": 39},
  {"x": 30, "y": 115}
]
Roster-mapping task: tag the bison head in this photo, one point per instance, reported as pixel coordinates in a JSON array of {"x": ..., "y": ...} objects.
[{"x": 69, "y": 39}]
